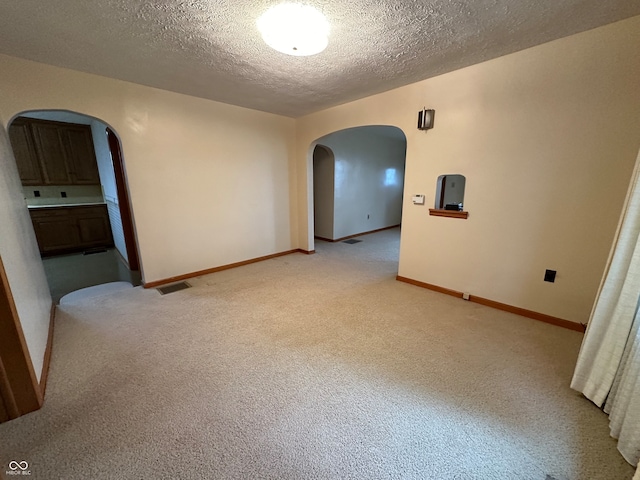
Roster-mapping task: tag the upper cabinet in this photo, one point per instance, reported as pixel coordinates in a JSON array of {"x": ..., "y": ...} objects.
[
  {"x": 81, "y": 156},
  {"x": 25, "y": 153},
  {"x": 53, "y": 153}
]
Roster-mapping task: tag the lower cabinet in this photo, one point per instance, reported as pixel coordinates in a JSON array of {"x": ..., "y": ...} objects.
[{"x": 71, "y": 229}]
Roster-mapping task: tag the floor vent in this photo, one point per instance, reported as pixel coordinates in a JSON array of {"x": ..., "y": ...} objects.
[
  {"x": 91, "y": 251},
  {"x": 174, "y": 287},
  {"x": 352, "y": 241}
]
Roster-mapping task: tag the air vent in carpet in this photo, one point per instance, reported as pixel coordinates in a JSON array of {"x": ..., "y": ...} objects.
[
  {"x": 174, "y": 287},
  {"x": 352, "y": 241}
]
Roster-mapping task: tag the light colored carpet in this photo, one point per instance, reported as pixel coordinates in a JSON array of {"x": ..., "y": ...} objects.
[{"x": 310, "y": 367}]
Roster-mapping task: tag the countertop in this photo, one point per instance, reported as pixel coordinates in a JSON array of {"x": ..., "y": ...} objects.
[{"x": 65, "y": 205}]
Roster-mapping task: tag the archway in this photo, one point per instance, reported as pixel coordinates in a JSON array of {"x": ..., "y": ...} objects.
[
  {"x": 74, "y": 183},
  {"x": 366, "y": 164},
  {"x": 323, "y": 192}
]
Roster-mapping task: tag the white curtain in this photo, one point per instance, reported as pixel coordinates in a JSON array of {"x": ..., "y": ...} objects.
[{"x": 608, "y": 368}]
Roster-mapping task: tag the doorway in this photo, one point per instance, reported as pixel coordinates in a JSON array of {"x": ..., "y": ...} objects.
[
  {"x": 357, "y": 191},
  {"x": 358, "y": 181},
  {"x": 323, "y": 192},
  {"x": 74, "y": 183}
]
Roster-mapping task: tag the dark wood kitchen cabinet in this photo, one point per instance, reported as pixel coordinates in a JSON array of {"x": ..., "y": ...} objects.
[
  {"x": 71, "y": 229},
  {"x": 51, "y": 154},
  {"x": 54, "y": 153},
  {"x": 80, "y": 153},
  {"x": 94, "y": 229},
  {"x": 25, "y": 152}
]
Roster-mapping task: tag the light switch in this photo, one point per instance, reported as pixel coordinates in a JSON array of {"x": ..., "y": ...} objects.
[{"x": 418, "y": 199}]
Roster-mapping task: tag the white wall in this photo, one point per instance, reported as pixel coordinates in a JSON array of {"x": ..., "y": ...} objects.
[
  {"x": 21, "y": 258},
  {"x": 517, "y": 127},
  {"x": 323, "y": 192},
  {"x": 108, "y": 182},
  {"x": 210, "y": 183},
  {"x": 369, "y": 178}
]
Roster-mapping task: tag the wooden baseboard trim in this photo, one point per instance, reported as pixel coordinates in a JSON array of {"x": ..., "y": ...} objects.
[
  {"x": 542, "y": 317},
  {"x": 429, "y": 286},
  {"x": 47, "y": 353},
  {"x": 186, "y": 276},
  {"x": 560, "y": 322},
  {"x": 357, "y": 234},
  {"x": 306, "y": 252}
]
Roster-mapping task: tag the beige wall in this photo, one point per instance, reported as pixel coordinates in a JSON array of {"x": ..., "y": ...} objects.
[
  {"x": 21, "y": 258},
  {"x": 547, "y": 140},
  {"x": 210, "y": 183}
]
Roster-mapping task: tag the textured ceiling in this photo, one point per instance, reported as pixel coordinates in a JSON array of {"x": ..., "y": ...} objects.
[{"x": 212, "y": 49}]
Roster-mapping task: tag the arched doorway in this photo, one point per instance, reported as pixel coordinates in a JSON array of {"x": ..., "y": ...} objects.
[
  {"x": 357, "y": 181},
  {"x": 74, "y": 183},
  {"x": 323, "y": 191},
  {"x": 124, "y": 203}
]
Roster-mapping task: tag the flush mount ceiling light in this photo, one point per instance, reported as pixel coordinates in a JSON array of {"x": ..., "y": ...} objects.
[{"x": 294, "y": 29}]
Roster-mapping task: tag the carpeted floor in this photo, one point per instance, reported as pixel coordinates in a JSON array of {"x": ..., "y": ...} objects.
[{"x": 310, "y": 367}]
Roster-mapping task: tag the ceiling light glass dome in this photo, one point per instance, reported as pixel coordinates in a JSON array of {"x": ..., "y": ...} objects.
[{"x": 294, "y": 29}]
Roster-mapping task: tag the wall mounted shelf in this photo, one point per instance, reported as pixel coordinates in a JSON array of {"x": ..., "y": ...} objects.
[{"x": 448, "y": 213}]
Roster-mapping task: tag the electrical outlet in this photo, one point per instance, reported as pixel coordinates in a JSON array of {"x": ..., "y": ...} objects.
[
  {"x": 36, "y": 193},
  {"x": 63, "y": 194},
  {"x": 550, "y": 276}
]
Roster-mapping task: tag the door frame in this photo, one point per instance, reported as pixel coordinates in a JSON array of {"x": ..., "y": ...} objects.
[
  {"x": 19, "y": 386},
  {"x": 124, "y": 202},
  {"x": 310, "y": 207}
]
